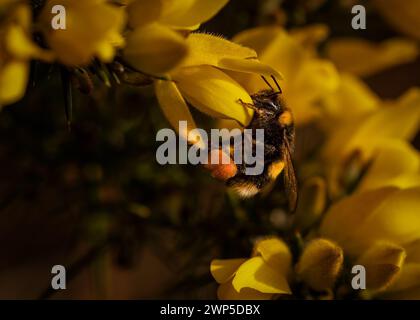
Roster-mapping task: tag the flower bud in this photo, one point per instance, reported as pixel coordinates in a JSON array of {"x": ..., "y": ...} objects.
[
  {"x": 320, "y": 264},
  {"x": 311, "y": 205},
  {"x": 383, "y": 262}
]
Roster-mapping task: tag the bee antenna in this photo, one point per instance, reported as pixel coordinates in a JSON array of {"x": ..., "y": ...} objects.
[
  {"x": 277, "y": 84},
  {"x": 268, "y": 84}
]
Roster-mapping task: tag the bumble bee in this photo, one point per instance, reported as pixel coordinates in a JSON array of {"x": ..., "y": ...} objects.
[{"x": 276, "y": 119}]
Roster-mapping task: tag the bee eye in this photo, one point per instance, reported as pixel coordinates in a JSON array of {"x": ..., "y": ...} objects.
[{"x": 273, "y": 106}]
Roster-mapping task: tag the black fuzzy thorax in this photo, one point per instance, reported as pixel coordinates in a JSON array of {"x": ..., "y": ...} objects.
[{"x": 268, "y": 109}]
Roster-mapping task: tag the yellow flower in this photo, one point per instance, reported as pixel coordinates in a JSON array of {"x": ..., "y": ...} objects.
[
  {"x": 363, "y": 137},
  {"x": 396, "y": 164},
  {"x": 351, "y": 102},
  {"x": 378, "y": 228},
  {"x": 187, "y": 14},
  {"x": 156, "y": 45},
  {"x": 363, "y": 58},
  {"x": 93, "y": 29},
  {"x": 260, "y": 277},
  {"x": 311, "y": 203},
  {"x": 320, "y": 264},
  {"x": 407, "y": 285},
  {"x": 16, "y": 50},
  {"x": 202, "y": 80},
  {"x": 402, "y": 15},
  {"x": 308, "y": 78}
]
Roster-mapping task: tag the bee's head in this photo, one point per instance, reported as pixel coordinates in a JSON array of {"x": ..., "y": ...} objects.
[{"x": 268, "y": 101}]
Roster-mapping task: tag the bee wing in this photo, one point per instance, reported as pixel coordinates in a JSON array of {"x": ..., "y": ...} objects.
[{"x": 290, "y": 182}]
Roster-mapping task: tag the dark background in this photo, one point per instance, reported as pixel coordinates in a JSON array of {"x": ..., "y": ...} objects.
[{"x": 95, "y": 200}]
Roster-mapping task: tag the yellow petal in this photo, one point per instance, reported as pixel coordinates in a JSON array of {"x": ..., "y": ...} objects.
[
  {"x": 276, "y": 49},
  {"x": 275, "y": 253},
  {"x": 349, "y": 214},
  {"x": 413, "y": 251},
  {"x": 399, "y": 120},
  {"x": 320, "y": 264},
  {"x": 258, "y": 38},
  {"x": 142, "y": 12},
  {"x": 317, "y": 78},
  {"x": 155, "y": 49},
  {"x": 223, "y": 270},
  {"x": 395, "y": 220},
  {"x": 226, "y": 291},
  {"x": 279, "y": 50},
  {"x": 13, "y": 80},
  {"x": 187, "y": 13},
  {"x": 402, "y": 15},
  {"x": 364, "y": 58},
  {"x": 353, "y": 98},
  {"x": 249, "y": 66},
  {"x": 256, "y": 274},
  {"x": 174, "y": 108},
  {"x": 396, "y": 164},
  {"x": 75, "y": 46},
  {"x": 18, "y": 42},
  {"x": 310, "y": 36},
  {"x": 206, "y": 49},
  {"x": 383, "y": 262},
  {"x": 213, "y": 92},
  {"x": 311, "y": 203},
  {"x": 408, "y": 278},
  {"x": 22, "y": 14}
]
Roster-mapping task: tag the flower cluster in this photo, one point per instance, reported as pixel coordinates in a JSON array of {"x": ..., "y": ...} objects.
[{"x": 359, "y": 198}]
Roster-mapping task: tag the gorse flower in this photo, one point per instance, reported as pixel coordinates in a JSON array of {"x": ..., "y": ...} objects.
[
  {"x": 402, "y": 15},
  {"x": 308, "y": 78},
  {"x": 375, "y": 228},
  {"x": 363, "y": 58},
  {"x": 16, "y": 50},
  {"x": 156, "y": 43},
  {"x": 203, "y": 79},
  {"x": 320, "y": 264},
  {"x": 362, "y": 138},
  {"x": 93, "y": 30},
  {"x": 262, "y": 276}
]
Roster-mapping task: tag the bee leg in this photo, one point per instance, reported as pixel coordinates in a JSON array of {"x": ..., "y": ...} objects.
[{"x": 245, "y": 104}]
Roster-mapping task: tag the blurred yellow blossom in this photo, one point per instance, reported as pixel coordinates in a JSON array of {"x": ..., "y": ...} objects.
[
  {"x": 320, "y": 264},
  {"x": 402, "y": 15},
  {"x": 157, "y": 43},
  {"x": 363, "y": 58},
  {"x": 351, "y": 102},
  {"x": 377, "y": 229},
  {"x": 383, "y": 262},
  {"x": 260, "y": 277},
  {"x": 93, "y": 29},
  {"x": 395, "y": 164},
  {"x": 407, "y": 285},
  {"x": 16, "y": 50},
  {"x": 187, "y": 14},
  {"x": 311, "y": 203},
  {"x": 363, "y": 137},
  {"x": 308, "y": 78}
]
